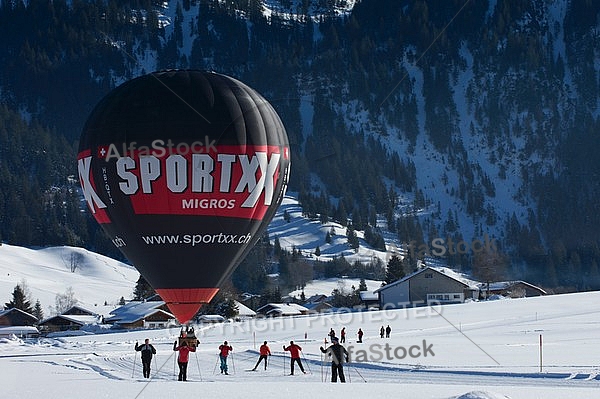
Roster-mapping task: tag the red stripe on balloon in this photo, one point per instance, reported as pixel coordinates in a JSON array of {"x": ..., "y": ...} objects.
[
  {"x": 219, "y": 201},
  {"x": 184, "y": 303}
]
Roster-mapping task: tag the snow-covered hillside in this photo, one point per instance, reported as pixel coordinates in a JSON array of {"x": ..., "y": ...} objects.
[
  {"x": 94, "y": 279},
  {"x": 306, "y": 235},
  {"x": 325, "y": 287}
]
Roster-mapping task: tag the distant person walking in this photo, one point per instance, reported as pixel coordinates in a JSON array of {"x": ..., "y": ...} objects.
[
  {"x": 339, "y": 355},
  {"x": 343, "y": 335},
  {"x": 381, "y": 332},
  {"x": 182, "y": 358},
  {"x": 360, "y": 335},
  {"x": 331, "y": 334},
  {"x": 388, "y": 331},
  {"x": 147, "y": 352},
  {"x": 223, "y": 353},
  {"x": 264, "y": 352},
  {"x": 295, "y": 355}
]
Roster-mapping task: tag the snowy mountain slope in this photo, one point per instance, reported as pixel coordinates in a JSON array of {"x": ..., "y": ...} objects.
[
  {"x": 46, "y": 272},
  {"x": 490, "y": 107},
  {"x": 306, "y": 235}
]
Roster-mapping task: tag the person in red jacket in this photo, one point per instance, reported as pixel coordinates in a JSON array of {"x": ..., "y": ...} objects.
[
  {"x": 295, "y": 354},
  {"x": 183, "y": 358},
  {"x": 264, "y": 353},
  {"x": 223, "y": 353}
]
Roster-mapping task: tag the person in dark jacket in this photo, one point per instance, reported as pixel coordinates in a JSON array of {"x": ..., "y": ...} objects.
[
  {"x": 331, "y": 334},
  {"x": 295, "y": 355},
  {"x": 147, "y": 352},
  {"x": 339, "y": 355},
  {"x": 360, "y": 335},
  {"x": 182, "y": 359}
]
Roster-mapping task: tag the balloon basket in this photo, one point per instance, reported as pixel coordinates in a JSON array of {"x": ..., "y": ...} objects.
[{"x": 188, "y": 336}]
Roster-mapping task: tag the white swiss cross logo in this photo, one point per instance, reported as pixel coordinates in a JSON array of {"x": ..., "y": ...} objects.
[
  {"x": 102, "y": 151},
  {"x": 92, "y": 199}
]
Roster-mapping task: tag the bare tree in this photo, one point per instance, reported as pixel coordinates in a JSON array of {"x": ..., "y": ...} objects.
[
  {"x": 75, "y": 261},
  {"x": 489, "y": 266},
  {"x": 65, "y": 301}
]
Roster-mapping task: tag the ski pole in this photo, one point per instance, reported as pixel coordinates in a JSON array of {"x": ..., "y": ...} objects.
[
  {"x": 359, "y": 374},
  {"x": 284, "y": 360},
  {"x": 215, "y": 368},
  {"x": 198, "y": 364},
  {"x": 307, "y": 363},
  {"x": 349, "y": 375},
  {"x": 134, "y": 359},
  {"x": 322, "y": 380}
]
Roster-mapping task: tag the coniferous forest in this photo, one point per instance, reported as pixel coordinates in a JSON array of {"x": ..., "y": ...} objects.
[{"x": 442, "y": 118}]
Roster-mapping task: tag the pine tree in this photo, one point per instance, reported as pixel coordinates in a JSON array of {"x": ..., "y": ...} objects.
[
  {"x": 277, "y": 247},
  {"x": 228, "y": 308},
  {"x": 362, "y": 285},
  {"x": 143, "y": 290},
  {"x": 251, "y": 275},
  {"x": 286, "y": 216},
  {"x": 19, "y": 301},
  {"x": 395, "y": 270},
  {"x": 352, "y": 238},
  {"x": 37, "y": 310}
]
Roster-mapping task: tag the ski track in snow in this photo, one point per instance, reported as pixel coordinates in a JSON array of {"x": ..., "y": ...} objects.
[{"x": 204, "y": 367}]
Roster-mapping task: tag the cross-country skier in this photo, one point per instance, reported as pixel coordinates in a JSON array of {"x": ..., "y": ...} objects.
[
  {"x": 147, "y": 351},
  {"x": 339, "y": 355},
  {"x": 264, "y": 353},
  {"x": 223, "y": 353},
  {"x": 295, "y": 355},
  {"x": 183, "y": 358}
]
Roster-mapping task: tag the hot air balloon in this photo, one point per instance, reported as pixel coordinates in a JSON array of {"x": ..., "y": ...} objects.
[{"x": 184, "y": 169}]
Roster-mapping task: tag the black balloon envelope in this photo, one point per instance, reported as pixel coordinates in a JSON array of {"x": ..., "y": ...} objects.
[{"x": 184, "y": 170}]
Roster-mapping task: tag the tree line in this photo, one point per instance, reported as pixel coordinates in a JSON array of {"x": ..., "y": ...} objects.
[{"x": 59, "y": 58}]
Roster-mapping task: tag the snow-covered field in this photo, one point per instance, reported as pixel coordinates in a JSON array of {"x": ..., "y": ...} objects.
[{"x": 474, "y": 350}]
